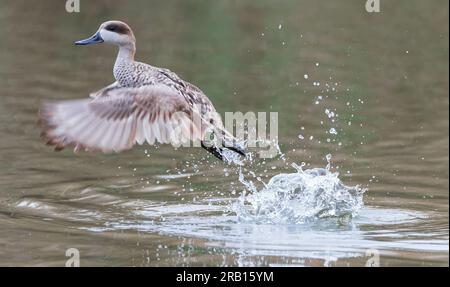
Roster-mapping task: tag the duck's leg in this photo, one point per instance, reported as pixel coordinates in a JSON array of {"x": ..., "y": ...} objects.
[{"x": 217, "y": 152}]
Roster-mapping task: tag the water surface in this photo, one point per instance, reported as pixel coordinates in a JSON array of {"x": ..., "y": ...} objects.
[{"x": 379, "y": 80}]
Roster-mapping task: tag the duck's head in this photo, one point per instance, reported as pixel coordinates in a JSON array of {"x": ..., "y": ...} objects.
[{"x": 112, "y": 32}]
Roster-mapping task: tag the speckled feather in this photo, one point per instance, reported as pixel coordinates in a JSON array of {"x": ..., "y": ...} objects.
[{"x": 136, "y": 74}]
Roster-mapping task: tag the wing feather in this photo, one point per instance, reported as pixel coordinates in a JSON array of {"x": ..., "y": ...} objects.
[{"x": 118, "y": 117}]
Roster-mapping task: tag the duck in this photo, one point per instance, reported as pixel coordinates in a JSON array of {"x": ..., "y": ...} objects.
[{"x": 143, "y": 104}]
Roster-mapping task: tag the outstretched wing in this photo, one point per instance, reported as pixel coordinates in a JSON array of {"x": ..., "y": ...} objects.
[
  {"x": 120, "y": 118},
  {"x": 105, "y": 90}
]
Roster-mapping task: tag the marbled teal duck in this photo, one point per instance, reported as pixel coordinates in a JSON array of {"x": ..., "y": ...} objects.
[{"x": 145, "y": 103}]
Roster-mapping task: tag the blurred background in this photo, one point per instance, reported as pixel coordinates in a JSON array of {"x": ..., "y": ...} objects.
[{"x": 384, "y": 76}]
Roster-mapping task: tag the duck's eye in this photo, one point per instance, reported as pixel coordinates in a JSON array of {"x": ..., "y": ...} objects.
[{"x": 111, "y": 28}]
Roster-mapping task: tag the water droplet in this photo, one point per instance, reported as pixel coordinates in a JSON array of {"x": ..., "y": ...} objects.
[
  {"x": 328, "y": 158},
  {"x": 329, "y": 113}
]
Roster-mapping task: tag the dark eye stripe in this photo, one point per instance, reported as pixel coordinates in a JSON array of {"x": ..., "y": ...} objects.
[{"x": 120, "y": 29}]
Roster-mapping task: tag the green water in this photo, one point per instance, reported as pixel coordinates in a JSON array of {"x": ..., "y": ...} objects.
[{"x": 387, "y": 75}]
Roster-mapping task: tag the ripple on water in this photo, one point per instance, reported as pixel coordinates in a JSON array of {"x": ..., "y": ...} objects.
[{"x": 305, "y": 214}]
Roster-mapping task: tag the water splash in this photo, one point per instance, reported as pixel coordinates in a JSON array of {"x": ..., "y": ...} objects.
[
  {"x": 232, "y": 158},
  {"x": 300, "y": 197}
]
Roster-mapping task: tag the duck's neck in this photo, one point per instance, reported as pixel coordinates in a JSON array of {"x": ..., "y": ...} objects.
[
  {"x": 126, "y": 53},
  {"x": 124, "y": 62}
]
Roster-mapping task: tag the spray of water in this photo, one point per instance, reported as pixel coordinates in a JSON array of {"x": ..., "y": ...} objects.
[{"x": 294, "y": 198}]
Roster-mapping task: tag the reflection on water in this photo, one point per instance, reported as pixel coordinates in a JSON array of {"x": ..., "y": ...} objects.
[{"x": 374, "y": 95}]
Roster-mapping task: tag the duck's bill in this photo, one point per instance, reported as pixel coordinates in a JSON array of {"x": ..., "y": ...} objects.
[{"x": 94, "y": 39}]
